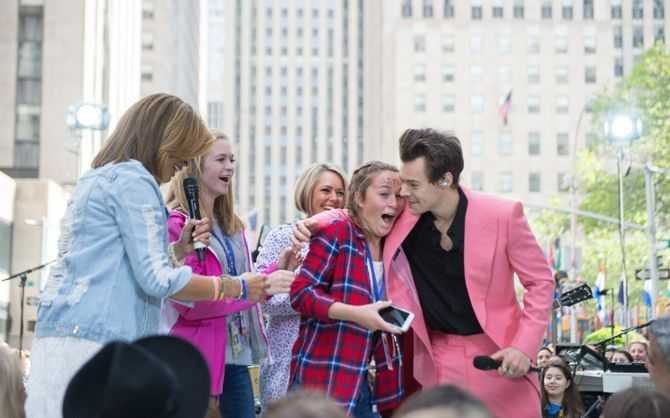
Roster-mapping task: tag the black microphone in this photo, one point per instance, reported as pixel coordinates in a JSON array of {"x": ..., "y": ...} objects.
[
  {"x": 191, "y": 191},
  {"x": 487, "y": 363}
]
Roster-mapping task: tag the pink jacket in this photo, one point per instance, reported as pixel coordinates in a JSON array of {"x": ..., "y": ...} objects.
[
  {"x": 204, "y": 324},
  {"x": 498, "y": 243}
]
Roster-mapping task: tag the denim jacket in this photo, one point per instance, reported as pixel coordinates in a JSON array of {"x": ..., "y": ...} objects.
[{"x": 112, "y": 270}]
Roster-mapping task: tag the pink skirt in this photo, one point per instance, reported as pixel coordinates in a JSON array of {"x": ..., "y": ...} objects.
[{"x": 505, "y": 398}]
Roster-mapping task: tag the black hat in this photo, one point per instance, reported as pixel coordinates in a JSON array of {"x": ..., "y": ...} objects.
[{"x": 153, "y": 377}]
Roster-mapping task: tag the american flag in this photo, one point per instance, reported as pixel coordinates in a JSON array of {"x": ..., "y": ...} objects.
[{"x": 505, "y": 107}]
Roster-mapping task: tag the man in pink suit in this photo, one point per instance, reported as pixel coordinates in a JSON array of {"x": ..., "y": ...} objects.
[{"x": 451, "y": 259}]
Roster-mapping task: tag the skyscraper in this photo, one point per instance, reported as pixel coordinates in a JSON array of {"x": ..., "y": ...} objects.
[{"x": 293, "y": 90}]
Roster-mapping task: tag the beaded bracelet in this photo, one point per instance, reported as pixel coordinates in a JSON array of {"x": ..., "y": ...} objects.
[
  {"x": 245, "y": 289},
  {"x": 243, "y": 293}
]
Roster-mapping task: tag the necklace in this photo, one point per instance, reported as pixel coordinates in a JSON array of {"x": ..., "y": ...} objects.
[{"x": 446, "y": 242}]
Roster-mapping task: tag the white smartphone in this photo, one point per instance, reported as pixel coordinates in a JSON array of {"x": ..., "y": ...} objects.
[{"x": 397, "y": 316}]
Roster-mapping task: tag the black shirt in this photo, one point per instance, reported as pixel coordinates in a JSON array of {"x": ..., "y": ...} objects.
[{"x": 439, "y": 275}]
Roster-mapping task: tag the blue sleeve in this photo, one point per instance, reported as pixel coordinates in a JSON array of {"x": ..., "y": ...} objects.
[{"x": 142, "y": 222}]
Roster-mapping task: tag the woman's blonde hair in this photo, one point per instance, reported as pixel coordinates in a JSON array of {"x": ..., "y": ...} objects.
[
  {"x": 224, "y": 205},
  {"x": 156, "y": 130},
  {"x": 306, "y": 183},
  {"x": 361, "y": 180},
  {"x": 12, "y": 391}
]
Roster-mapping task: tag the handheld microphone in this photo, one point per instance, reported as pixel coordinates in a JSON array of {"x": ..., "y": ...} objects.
[
  {"x": 487, "y": 363},
  {"x": 191, "y": 191}
]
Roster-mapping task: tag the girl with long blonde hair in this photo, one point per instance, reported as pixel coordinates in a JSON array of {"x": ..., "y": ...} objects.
[{"x": 230, "y": 334}]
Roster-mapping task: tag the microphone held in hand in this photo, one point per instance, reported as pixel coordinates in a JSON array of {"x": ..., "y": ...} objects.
[
  {"x": 191, "y": 191},
  {"x": 487, "y": 363}
]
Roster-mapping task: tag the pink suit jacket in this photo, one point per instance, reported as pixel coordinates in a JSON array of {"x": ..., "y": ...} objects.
[{"x": 498, "y": 243}]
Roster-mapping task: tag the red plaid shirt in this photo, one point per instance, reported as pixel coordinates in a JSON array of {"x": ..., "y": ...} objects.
[{"x": 330, "y": 355}]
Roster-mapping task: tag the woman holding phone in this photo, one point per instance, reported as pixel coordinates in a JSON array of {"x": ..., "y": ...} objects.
[{"x": 339, "y": 292}]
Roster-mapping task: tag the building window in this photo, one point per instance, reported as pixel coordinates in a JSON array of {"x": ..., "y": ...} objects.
[
  {"x": 215, "y": 115},
  {"x": 448, "y": 42},
  {"x": 448, "y": 103},
  {"x": 476, "y": 73},
  {"x": 448, "y": 8},
  {"x": 518, "y": 9},
  {"x": 533, "y": 40},
  {"x": 147, "y": 10},
  {"x": 533, "y": 74},
  {"x": 476, "y": 10},
  {"x": 147, "y": 41},
  {"x": 497, "y": 12},
  {"x": 618, "y": 67},
  {"x": 659, "y": 34},
  {"x": 477, "y": 104},
  {"x": 546, "y": 9},
  {"x": 407, "y": 8},
  {"x": 534, "y": 183},
  {"x": 563, "y": 182},
  {"x": 616, "y": 9},
  {"x": 504, "y": 44},
  {"x": 506, "y": 182},
  {"x": 589, "y": 43},
  {"x": 447, "y": 73},
  {"x": 505, "y": 146},
  {"x": 420, "y": 72},
  {"x": 638, "y": 11},
  {"x": 477, "y": 146},
  {"x": 566, "y": 10},
  {"x": 533, "y": 104},
  {"x": 638, "y": 37},
  {"x": 590, "y": 75},
  {"x": 427, "y": 8},
  {"x": 477, "y": 182},
  {"x": 618, "y": 37},
  {"x": 562, "y": 145},
  {"x": 561, "y": 41},
  {"x": 476, "y": 44},
  {"x": 534, "y": 147},
  {"x": 587, "y": 9},
  {"x": 147, "y": 73},
  {"x": 561, "y": 74},
  {"x": 420, "y": 103},
  {"x": 504, "y": 74},
  {"x": 419, "y": 43},
  {"x": 562, "y": 104},
  {"x": 659, "y": 9}
]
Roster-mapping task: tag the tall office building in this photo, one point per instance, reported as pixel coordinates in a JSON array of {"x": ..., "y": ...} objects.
[
  {"x": 174, "y": 45},
  {"x": 293, "y": 94},
  {"x": 451, "y": 64},
  {"x": 339, "y": 81},
  {"x": 57, "y": 55}
]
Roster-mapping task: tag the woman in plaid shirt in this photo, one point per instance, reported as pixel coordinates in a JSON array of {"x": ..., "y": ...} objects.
[{"x": 339, "y": 292}]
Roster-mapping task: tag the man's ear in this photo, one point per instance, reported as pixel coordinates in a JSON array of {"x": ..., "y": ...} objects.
[{"x": 447, "y": 180}]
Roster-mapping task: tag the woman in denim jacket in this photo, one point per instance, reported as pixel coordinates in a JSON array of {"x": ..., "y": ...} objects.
[
  {"x": 226, "y": 331},
  {"x": 114, "y": 264}
]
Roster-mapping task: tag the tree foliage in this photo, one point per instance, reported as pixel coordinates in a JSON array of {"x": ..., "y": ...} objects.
[{"x": 646, "y": 90}]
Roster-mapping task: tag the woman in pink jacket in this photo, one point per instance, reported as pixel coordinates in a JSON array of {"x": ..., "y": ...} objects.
[{"x": 230, "y": 333}]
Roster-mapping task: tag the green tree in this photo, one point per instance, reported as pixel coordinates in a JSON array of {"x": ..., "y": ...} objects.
[{"x": 647, "y": 90}]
